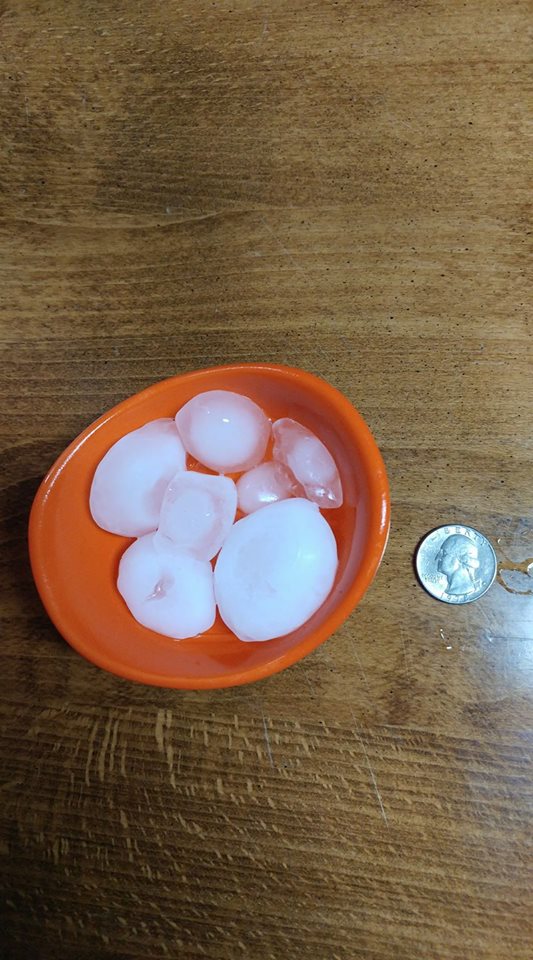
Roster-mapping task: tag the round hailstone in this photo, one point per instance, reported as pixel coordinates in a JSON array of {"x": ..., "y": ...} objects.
[
  {"x": 275, "y": 570},
  {"x": 225, "y": 431},
  {"x": 266, "y": 484},
  {"x": 198, "y": 512},
  {"x": 129, "y": 482},
  {"x": 166, "y": 590},
  {"x": 310, "y": 461}
]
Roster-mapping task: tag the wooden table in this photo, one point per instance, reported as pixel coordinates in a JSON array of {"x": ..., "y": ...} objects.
[{"x": 340, "y": 186}]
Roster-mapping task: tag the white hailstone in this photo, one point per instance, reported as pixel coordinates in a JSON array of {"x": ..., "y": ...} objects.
[
  {"x": 224, "y": 431},
  {"x": 167, "y": 590},
  {"x": 197, "y": 513},
  {"x": 131, "y": 479},
  {"x": 266, "y": 484},
  {"x": 275, "y": 570},
  {"x": 310, "y": 461}
]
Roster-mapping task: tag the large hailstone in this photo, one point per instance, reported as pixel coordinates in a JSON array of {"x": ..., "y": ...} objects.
[
  {"x": 166, "y": 590},
  {"x": 131, "y": 479},
  {"x": 197, "y": 513},
  {"x": 224, "y": 431},
  {"x": 275, "y": 570},
  {"x": 310, "y": 461}
]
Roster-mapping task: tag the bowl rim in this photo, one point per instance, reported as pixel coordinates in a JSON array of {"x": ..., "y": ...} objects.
[{"x": 377, "y": 536}]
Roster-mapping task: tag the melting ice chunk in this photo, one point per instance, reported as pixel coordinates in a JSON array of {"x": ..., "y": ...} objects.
[
  {"x": 265, "y": 484},
  {"x": 197, "y": 513},
  {"x": 223, "y": 430},
  {"x": 129, "y": 482},
  {"x": 310, "y": 461},
  {"x": 166, "y": 590},
  {"x": 275, "y": 570}
]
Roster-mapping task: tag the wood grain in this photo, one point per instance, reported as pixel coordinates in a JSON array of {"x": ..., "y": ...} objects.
[{"x": 341, "y": 186}]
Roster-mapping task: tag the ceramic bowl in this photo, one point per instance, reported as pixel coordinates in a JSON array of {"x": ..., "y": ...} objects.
[{"x": 75, "y": 563}]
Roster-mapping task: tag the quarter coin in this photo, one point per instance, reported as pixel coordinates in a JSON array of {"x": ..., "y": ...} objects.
[{"x": 456, "y": 564}]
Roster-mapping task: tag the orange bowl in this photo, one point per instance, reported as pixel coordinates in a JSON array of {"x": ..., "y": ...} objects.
[{"x": 75, "y": 563}]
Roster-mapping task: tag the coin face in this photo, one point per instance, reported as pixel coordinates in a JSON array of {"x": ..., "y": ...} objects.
[{"x": 456, "y": 564}]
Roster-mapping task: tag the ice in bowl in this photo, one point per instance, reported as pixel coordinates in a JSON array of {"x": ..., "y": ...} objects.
[{"x": 267, "y": 572}]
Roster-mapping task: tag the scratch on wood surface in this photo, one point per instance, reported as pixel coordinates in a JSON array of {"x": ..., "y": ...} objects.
[
  {"x": 129, "y": 221},
  {"x": 103, "y": 751},
  {"x": 159, "y": 730},
  {"x": 112, "y": 748},
  {"x": 362, "y": 669},
  {"x": 297, "y": 266},
  {"x": 164, "y": 720},
  {"x": 267, "y": 740},
  {"x": 90, "y": 750},
  {"x": 373, "y": 777},
  {"x": 170, "y": 763},
  {"x": 307, "y": 680}
]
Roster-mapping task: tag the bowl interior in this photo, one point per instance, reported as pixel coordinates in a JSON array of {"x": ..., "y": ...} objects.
[{"x": 75, "y": 563}]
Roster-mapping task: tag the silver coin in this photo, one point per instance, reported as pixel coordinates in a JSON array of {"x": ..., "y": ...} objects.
[{"x": 456, "y": 564}]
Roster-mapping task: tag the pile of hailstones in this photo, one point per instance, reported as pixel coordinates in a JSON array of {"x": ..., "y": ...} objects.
[{"x": 274, "y": 567}]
